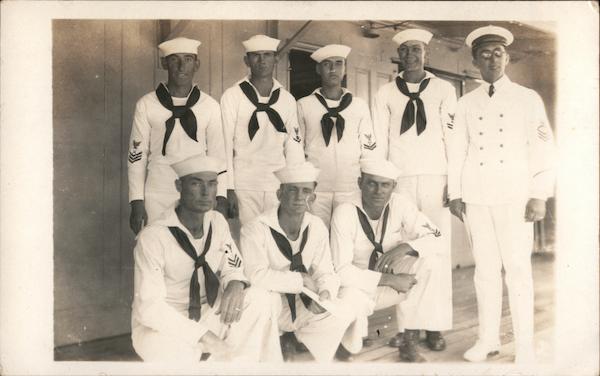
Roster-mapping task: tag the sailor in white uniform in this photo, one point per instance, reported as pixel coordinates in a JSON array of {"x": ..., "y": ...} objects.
[
  {"x": 287, "y": 249},
  {"x": 261, "y": 131},
  {"x": 382, "y": 245},
  {"x": 500, "y": 175},
  {"x": 337, "y": 131},
  {"x": 412, "y": 116},
  {"x": 191, "y": 297},
  {"x": 170, "y": 124}
]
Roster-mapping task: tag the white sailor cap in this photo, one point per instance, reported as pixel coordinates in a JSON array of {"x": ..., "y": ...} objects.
[
  {"x": 412, "y": 34},
  {"x": 261, "y": 43},
  {"x": 303, "y": 172},
  {"x": 179, "y": 46},
  {"x": 379, "y": 167},
  {"x": 488, "y": 34},
  {"x": 199, "y": 163},
  {"x": 330, "y": 50}
]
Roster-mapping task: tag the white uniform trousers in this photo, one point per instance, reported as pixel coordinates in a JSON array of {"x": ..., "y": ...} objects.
[
  {"x": 253, "y": 203},
  {"x": 156, "y": 203},
  {"x": 409, "y": 306},
  {"x": 326, "y": 202},
  {"x": 435, "y": 310},
  {"x": 252, "y": 339},
  {"x": 320, "y": 333},
  {"x": 501, "y": 237}
]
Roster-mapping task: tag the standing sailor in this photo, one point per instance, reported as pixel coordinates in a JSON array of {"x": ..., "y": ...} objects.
[
  {"x": 337, "y": 131},
  {"x": 412, "y": 116},
  {"x": 170, "y": 124},
  {"x": 261, "y": 131},
  {"x": 500, "y": 175}
]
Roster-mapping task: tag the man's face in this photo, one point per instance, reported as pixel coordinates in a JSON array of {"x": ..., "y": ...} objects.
[
  {"x": 332, "y": 71},
  {"x": 296, "y": 197},
  {"x": 491, "y": 60},
  {"x": 261, "y": 63},
  {"x": 412, "y": 55},
  {"x": 375, "y": 190},
  {"x": 198, "y": 191},
  {"x": 181, "y": 68}
]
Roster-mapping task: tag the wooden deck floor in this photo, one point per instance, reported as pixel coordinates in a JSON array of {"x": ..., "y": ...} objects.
[{"x": 458, "y": 340}]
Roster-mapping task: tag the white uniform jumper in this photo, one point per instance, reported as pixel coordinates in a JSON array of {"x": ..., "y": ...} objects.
[
  {"x": 166, "y": 326},
  {"x": 335, "y": 144},
  {"x": 151, "y": 177},
  {"x": 500, "y": 155},
  {"x": 254, "y": 153},
  {"x": 352, "y": 251},
  {"x": 269, "y": 268},
  {"x": 420, "y": 154}
]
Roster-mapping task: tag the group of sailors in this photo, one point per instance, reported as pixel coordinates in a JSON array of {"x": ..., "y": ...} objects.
[{"x": 345, "y": 210}]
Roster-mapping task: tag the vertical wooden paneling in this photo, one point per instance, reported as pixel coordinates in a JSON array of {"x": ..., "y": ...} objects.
[
  {"x": 139, "y": 76},
  {"x": 362, "y": 85}
]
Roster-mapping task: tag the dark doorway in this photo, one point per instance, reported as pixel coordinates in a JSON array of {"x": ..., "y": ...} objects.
[{"x": 303, "y": 76}]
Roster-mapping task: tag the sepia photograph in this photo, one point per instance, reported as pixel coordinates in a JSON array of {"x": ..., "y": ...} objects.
[{"x": 306, "y": 187}]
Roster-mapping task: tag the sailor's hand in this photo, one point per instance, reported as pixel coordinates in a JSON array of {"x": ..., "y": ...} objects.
[
  {"x": 392, "y": 257},
  {"x": 314, "y": 307},
  {"x": 138, "y": 216},
  {"x": 218, "y": 348},
  {"x": 232, "y": 302},
  {"x": 457, "y": 208},
  {"x": 399, "y": 282},
  {"x": 535, "y": 210},
  {"x": 232, "y": 201}
]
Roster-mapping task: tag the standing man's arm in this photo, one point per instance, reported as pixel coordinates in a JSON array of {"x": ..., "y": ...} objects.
[
  {"x": 381, "y": 122},
  {"x": 447, "y": 114},
  {"x": 540, "y": 141},
  {"x": 215, "y": 147},
  {"x": 137, "y": 162},
  {"x": 457, "y": 143},
  {"x": 366, "y": 134},
  {"x": 293, "y": 148},
  {"x": 302, "y": 124},
  {"x": 229, "y": 119}
]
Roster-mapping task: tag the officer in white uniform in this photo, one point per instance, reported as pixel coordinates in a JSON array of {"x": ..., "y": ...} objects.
[
  {"x": 375, "y": 241},
  {"x": 500, "y": 175},
  {"x": 190, "y": 293},
  {"x": 287, "y": 249},
  {"x": 170, "y": 124},
  {"x": 337, "y": 131},
  {"x": 412, "y": 115},
  {"x": 261, "y": 131}
]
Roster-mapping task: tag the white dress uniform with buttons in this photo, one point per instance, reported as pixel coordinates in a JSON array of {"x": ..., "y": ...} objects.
[{"x": 500, "y": 155}]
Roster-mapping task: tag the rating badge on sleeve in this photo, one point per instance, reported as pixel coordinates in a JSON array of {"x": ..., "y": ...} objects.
[
  {"x": 135, "y": 154},
  {"x": 370, "y": 145}
]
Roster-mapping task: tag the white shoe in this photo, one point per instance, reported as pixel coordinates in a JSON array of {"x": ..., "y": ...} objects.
[{"x": 481, "y": 350}]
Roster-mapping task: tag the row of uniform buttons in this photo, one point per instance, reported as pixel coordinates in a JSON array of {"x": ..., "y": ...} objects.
[
  {"x": 481, "y": 117},
  {"x": 481, "y": 134},
  {"x": 481, "y": 163}
]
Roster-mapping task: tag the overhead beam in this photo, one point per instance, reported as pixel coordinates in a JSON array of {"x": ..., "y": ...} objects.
[{"x": 291, "y": 41}]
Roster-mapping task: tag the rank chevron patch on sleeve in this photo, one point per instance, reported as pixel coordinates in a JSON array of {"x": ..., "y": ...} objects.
[{"x": 234, "y": 261}]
